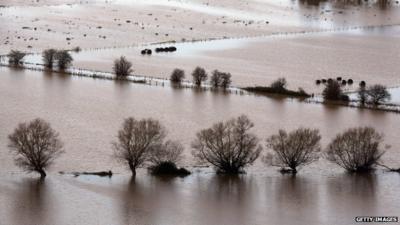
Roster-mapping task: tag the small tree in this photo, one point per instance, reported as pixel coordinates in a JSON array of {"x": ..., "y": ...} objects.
[
  {"x": 295, "y": 149},
  {"x": 215, "y": 79},
  {"x": 228, "y": 146},
  {"x": 357, "y": 149},
  {"x": 199, "y": 75},
  {"x": 15, "y": 57},
  {"x": 226, "y": 80},
  {"x": 49, "y": 56},
  {"x": 378, "y": 93},
  {"x": 35, "y": 146},
  {"x": 136, "y": 140},
  {"x": 279, "y": 85},
  {"x": 64, "y": 59},
  {"x": 220, "y": 79},
  {"x": 177, "y": 76},
  {"x": 122, "y": 67},
  {"x": 362, "y": 95},
  {"x": 332, "y": 91}
]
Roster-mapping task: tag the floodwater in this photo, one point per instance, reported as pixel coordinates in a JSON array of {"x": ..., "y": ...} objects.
[
  {"x": 370, "y": 54},
  {"x": 88, "y": 113}
]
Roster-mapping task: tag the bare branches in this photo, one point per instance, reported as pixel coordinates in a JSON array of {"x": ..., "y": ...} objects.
[
  {"x": 122, "y": 67},
  {"x": 177, "y": 76},
  {"x": 357, "y": 149},
  {"x": 35, "y": 146},
  {"x": 199, "y": 75},
  {"x": 136, "y": 140},
  {"x": 296, "y": 149},
  {"x": 227, "y": 145}
]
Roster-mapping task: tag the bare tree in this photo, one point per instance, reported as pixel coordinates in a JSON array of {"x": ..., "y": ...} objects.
[
  {"x": 49, "y": 56},
  {"x": 199, "y": 75},
  {"x": 35, "y": 146},
  {"x": 226, "y": 80},
  {"x": 136, "y": 140},
  {"x": 295, "y": 149},
  {"x": 228, "y": 146},
  {"x": 64, "y": 59},
  {"x": 357, "y": 149},
  {"x": 215, "y": 79},
  {"x": 279, "y": 85},
  {"x": 378, "y": 93},
  {"x": 220, "y": 79},
  {"x": 177, "y": 76},
  {"x": 15, "y": 57},
  {"x": 122, "y": 67},
  {"x": 332, "y": 91}
]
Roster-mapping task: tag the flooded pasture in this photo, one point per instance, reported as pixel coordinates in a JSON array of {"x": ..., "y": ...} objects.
[{"x": 88, "y": 113}]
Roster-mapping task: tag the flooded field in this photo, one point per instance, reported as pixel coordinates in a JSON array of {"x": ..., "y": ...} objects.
[{"x": 88, "y": 113}]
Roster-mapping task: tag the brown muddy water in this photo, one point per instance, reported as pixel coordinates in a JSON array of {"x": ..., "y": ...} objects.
[{"x": 88, "y": 113}]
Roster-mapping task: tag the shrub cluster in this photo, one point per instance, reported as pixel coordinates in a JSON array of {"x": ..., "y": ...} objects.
[{"x": 166, "y": 49}]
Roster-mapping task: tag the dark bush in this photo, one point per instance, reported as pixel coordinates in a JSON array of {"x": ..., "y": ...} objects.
[
  {"x": 323, "y": 81},
  {"x": 168, "y": 168},
  {"x": 344, "y": 82},
  {"x": 318, "y": 82},
  {"x": 338, "y": 78},
  {"x": 332, "y": 91},
  {"x": 350, "y": 81},
  {"x": 363, "y": 84}
]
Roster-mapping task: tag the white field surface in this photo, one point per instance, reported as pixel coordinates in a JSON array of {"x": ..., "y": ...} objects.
[{"x": 80, "y": 21}]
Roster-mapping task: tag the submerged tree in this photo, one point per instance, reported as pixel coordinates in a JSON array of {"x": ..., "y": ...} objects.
[
  {"x": 64, "y": 59},
  {"x": 220, "y": 79},
  {"x": 295, "y": 149},
  {"x": 332, "y": 91},
  {"x": 49, "y": 57},
  {"x": 136, "y": 140},
  {"x": 122, "y": 67},
  {"x": 15, "y": 57},
  {"x": 177, "y": 76},
  {"x": 35, "y": 146},
  {"x": 357, "y": 149},
  {"x": 199, "y": 75},
  {"x": 228, "y": 146},
  {"x": 378, "y": 94}
]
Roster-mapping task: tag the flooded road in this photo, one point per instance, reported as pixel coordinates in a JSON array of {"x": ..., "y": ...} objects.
[{"x": 88, "y": 113}]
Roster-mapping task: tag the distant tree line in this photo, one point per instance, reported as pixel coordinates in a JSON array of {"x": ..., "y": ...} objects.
[{"x": 228, "y": 146}]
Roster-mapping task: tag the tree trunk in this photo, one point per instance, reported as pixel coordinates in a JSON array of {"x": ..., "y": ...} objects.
[
  {"x": 133, "y": 169},
  {"x": 42, "y": 173}
]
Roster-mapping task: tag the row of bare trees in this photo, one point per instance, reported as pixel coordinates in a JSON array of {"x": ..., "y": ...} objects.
[
  {"x": 228, "y": 146},
  {"x": 199, "y": 75}
]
